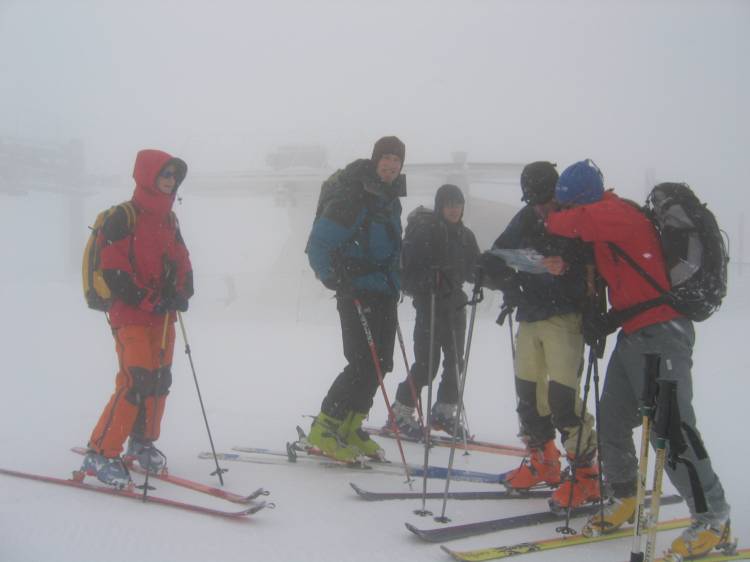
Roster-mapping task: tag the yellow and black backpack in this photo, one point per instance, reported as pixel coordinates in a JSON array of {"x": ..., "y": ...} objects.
[{"x": 95, "y": 289}]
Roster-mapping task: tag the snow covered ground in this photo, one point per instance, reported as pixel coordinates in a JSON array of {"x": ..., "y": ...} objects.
[{"x": 263, "y": 361}]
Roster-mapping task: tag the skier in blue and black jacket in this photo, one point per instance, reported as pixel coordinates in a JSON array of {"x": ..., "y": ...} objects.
[{"x": 354, "y": 250}]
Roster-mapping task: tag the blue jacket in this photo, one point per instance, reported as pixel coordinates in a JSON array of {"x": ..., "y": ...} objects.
[
  {"x": 355, "y": 240},
  {"x": 541, "y": 296}
]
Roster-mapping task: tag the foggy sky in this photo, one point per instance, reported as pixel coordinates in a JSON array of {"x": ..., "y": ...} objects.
[{"x": 635, "y": 85}]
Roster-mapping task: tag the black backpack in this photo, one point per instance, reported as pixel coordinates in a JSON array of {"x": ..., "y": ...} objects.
[
  {"x": 421, "y": 225},
  {"x": 694, "y": 250}
]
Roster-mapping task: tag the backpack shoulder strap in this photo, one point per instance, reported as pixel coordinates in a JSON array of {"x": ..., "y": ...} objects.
[
  {"x": 666, "y": 297},
  {"x": 637, "y": 267},
  {"x": 119, "y": 221},
  {"x": 130, "y": 213}
]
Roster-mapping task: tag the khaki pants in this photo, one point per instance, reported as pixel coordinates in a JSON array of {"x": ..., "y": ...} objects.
[{"x": 548, "y": 367}]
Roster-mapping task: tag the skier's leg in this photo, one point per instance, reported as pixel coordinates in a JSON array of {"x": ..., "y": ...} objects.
[{"x": 132, "y": 383}]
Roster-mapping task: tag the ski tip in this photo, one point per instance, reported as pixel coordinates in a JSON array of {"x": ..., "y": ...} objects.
[
  {"x": 412, "y": 528},
  {"x": 452, "y": 553},
  {"x": 356, "y": 488},
  {"x": 256, "y": 507},
  {"x": 252, "y": 497}
]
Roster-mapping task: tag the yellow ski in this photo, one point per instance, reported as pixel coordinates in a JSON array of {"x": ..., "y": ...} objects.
[{"x": 498, "y": 552}]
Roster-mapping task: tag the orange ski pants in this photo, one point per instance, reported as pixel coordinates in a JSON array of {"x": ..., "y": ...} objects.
[{"x": 141, "y": 388}]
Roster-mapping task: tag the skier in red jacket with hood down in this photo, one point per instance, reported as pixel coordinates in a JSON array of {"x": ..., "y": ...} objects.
[
  {"x": 147, "y": 269},
  {"x": 603, "y": 219}
]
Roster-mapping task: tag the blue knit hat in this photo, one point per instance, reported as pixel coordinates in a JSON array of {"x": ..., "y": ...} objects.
[{"x": 580, "y": 184}]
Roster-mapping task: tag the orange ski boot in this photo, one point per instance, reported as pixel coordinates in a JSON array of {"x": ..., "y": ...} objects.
[
  {"x": 585, "y": 488},
  {"x": 541, "y": 467}
]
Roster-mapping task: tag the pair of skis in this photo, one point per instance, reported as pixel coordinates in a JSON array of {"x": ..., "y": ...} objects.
[
  {"x": 444, "y": 534},
  {"x": 301, "y": 451},
  {"x": 473, "y": 495},
  {"x": 498, "y": 552},
  {"x": 729, "y": 552},
  {"x": 193, "y": 485},
  {"x": 465, "y": 530},
  {"x": 250, "y": 502},
  {"x": 258, "y": 455}
]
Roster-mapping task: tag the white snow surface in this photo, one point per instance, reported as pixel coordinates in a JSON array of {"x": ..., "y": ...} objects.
[{"x": 263, "y": 361}]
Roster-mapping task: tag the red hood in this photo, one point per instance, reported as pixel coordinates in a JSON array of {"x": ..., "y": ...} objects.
[{"x": 148, "y": 164}]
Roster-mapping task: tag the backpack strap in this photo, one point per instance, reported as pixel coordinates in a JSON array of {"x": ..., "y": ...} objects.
[
  {"x": 637, "y": 267},
  {"x": 130, "y": 213},
  {"x": 666, "y": 297}
]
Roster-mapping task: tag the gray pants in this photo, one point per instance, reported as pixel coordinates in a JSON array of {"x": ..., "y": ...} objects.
[{"x": 673, "y": 342}]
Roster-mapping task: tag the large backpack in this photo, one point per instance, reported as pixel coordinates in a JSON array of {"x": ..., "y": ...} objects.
[
  {"x": 694, "y": 250},
  {"x": 95, "y": 289},
  {"x": 419, "y": 222}
]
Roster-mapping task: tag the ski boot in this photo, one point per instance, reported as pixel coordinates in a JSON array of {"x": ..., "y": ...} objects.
[
  {"x": 542, "y": 466},
  {"x": 324, "y": 435},
  {"x": 146, "y": 455},
  {"x": 574, "y": 493},
  {"x": 443, "y": 418},
  {"x": 407, "y": 424},
  {"x": 110, "y": 471},
  {"x": 357, "y": 438},
  {"x": 618, "y": 512},
  {"x": 701, "y": 538}
]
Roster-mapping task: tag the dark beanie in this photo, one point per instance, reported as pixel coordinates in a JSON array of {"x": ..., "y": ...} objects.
[
  {"x": 446, "y": 194},
  {"x": 388, "y": 145},
  {"x": 538, "y": 181}
]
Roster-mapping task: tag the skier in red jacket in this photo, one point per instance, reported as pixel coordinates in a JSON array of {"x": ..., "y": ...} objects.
[
  {"x": 147, "y": 269},
  {"x": 603, "y": 218}
]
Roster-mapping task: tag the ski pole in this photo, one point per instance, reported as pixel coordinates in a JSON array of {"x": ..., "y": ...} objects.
[
  {"x": 157, "y": 380},
  {"x": 507, "y": 312},
  {"x": 597, "y": 425},
  {"x": 476, "y": 298},
  {"x": 665, "y": 410},
  {"x": 462, "y": 410},
  {"x": 567, "y": 529},
  {"x": 428, "y": 421},
  {"x": 379, "y": 373},
  {"x": 218, "y": 470},
  {"x": 412, "y": 389},
  {"x": 648, "y": 399}
]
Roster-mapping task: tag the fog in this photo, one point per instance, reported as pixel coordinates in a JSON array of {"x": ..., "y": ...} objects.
[
  {"x": 651, "y": 90},
  {"x": 648, "y": 89}
]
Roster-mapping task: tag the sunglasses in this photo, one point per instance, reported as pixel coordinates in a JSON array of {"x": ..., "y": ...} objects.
[{"x": 166, "y": 174}]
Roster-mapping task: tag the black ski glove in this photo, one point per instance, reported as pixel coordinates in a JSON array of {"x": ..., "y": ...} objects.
[
  {"x": 597, "y": 326},
  {"x": 495, "y": 273},
  {"x": 331, "y": 283}
]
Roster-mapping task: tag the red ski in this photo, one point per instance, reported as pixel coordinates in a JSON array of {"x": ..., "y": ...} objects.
[
  {"x": 193, "y": 485},
  {"x": 77, "y": 482}
]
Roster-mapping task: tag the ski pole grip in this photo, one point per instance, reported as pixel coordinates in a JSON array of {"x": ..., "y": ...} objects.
[
  {"x": 667, "y": 396},
  {"x": 650, "y": 375}
]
